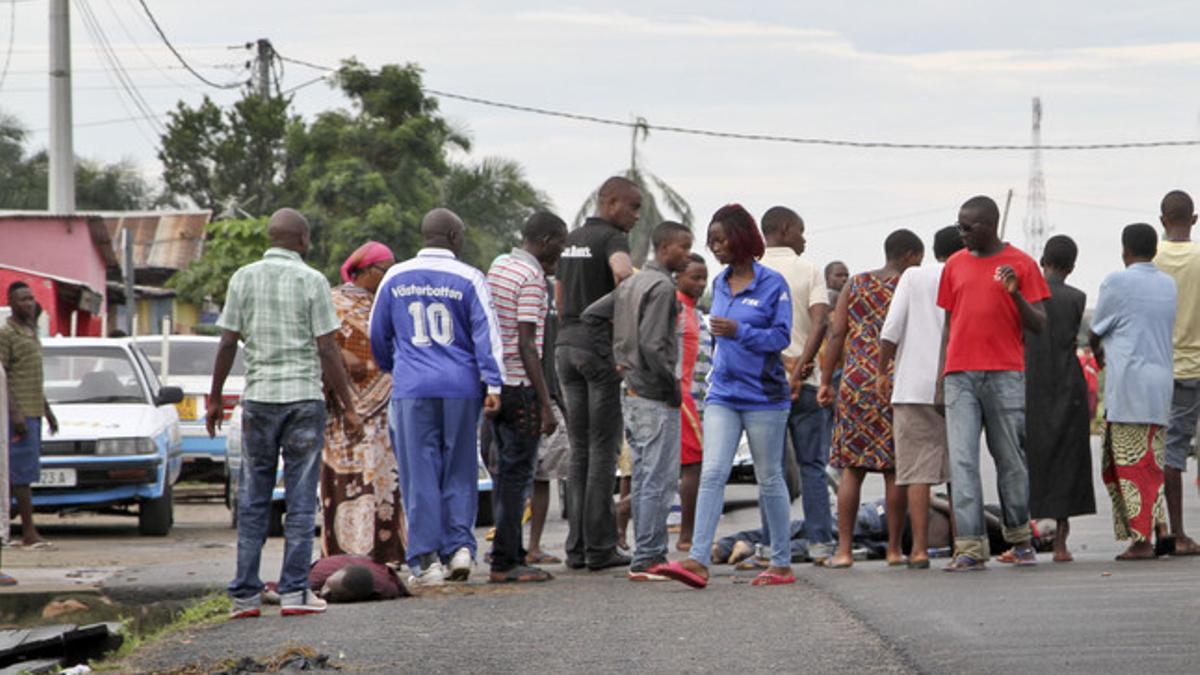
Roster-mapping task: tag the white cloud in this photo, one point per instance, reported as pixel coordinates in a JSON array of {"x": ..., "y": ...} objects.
[{"x": 684, "y": 27}]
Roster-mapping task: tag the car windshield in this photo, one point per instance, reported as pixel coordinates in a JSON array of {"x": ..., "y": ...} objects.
[
  {"x": 91, "y": 375},
  {"x": 189, "y": 358}
]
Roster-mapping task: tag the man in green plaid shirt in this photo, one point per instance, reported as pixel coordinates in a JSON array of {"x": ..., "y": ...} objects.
[{"x": 283, "y": 311}]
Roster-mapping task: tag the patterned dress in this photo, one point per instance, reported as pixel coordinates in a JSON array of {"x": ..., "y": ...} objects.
[
  {"x": 1132, "y": 469},
  {"x": 360, "y": 490},
  {"x": 862, "y": 434}
]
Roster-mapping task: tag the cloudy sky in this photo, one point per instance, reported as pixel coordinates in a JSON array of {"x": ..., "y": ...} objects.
[{"x": 932, "y": 71}]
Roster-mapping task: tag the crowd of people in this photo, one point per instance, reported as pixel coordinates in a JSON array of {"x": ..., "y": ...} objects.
[{"x": 562, "y": 353}]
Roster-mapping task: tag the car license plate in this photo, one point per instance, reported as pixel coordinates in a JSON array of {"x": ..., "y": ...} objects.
[
  {"x": 57, "y": 478},
  {"x": 187, "y": 408}
]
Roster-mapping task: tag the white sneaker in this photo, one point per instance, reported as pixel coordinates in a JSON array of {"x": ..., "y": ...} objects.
[
  {"x": 430, "y": 577},
  {"x": 300, "y": 602},
  {"x": 461, "y": 564}
]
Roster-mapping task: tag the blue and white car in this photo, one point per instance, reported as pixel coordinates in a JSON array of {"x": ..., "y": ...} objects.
[
  {"x": 118, "y": 444},
  {"x": 189, "y": 367}
]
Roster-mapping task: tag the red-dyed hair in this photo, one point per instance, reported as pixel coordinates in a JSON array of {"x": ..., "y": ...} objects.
[{"x": 741, "y": 232}]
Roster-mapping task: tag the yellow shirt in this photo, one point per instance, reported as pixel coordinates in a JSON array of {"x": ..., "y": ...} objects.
[
  {"x": 807, "y": 285},
  {"x": 1181, "y": 260}
]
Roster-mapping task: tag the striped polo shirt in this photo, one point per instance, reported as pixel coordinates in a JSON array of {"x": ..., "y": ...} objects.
[{"x": 518, "y": 289}]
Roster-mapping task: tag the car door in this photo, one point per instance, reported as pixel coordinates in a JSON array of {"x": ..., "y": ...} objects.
[{"x": 168, "y": 416}]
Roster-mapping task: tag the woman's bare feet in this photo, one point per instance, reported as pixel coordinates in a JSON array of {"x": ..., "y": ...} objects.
[
  {"x": 695, "y": 568},
  {"x": 1185, "y": 545},
  {"x": 1142, "y": 550},
  {"x": 682, "y": 545},
  {"x": 1065, "y": 556},
  {"x": 780, "y": 571},
  {"x": 840, "y": 561}
]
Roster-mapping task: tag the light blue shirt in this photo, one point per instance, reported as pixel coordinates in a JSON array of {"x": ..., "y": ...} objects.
[{"x": 1135, "y": 316}]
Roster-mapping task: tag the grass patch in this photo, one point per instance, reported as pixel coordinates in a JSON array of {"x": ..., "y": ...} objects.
[{"x": 206, "y": 611}]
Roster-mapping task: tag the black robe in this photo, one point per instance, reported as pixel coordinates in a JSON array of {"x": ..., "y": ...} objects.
[{"x": 1057, "y": 428}]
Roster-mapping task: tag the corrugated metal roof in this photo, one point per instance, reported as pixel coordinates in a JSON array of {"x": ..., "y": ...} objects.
[{"x": 161, "y": 239}]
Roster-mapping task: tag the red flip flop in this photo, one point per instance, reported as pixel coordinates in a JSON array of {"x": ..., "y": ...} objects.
[
  {"x": 772, "y": 579},
  {"x": 675, "y": 570}
]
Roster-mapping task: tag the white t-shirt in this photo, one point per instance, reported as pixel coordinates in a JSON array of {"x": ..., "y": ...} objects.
[
  {"x": 914, "y": 323},
  {"x": 807, "y": 284}
]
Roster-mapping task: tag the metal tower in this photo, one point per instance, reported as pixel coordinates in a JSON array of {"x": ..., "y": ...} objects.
[{"x": 1036, "y": 226}]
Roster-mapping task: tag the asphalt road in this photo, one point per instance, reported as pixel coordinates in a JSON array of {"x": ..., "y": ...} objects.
[{"x": 1091, "y": 616}]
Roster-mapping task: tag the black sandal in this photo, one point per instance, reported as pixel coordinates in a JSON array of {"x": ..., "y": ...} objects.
[{"x": 520, "y": 574}]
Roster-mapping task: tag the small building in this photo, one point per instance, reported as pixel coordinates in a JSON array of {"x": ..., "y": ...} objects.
[
  {"x": 66, "y": 262},
  {"x": 73, "y": 264}
]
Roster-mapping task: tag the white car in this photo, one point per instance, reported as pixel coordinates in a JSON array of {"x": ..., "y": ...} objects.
[
  {"x": 190, "y": 367},
  {"x": 118, "y": 443}
]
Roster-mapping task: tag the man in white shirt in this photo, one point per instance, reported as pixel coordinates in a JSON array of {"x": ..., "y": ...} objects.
[
  {"x": 783, "y": 231},
  {"x": 912, "y": 334}
]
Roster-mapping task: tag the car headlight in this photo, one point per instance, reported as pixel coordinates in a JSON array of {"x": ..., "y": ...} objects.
[{"x": 124, "y": 446}]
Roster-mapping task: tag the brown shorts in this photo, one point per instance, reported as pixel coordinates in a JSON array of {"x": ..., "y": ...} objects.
[{"x": 922, "y": 454}]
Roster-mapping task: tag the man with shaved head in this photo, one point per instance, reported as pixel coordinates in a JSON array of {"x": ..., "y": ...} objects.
[
  {"x": 595, "y": 260},
  {"x": 1179, "y": 257},
  {"x": 283, "y": 311},
  {"x": 433, "y": 327}
]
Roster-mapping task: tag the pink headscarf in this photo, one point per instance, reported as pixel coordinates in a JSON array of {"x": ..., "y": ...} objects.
[{"x": 366, "y": 255}]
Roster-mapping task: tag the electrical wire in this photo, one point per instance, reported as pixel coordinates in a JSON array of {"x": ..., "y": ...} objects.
[
  {"x": 303, "y": 85},
  {"x": 117, "y": 74},
  {"x": 182, "y": 61},
  {"x": 12, "y": 34},
  {"x": 777, "y": 138},
  {"x": 134, "y": 41}
]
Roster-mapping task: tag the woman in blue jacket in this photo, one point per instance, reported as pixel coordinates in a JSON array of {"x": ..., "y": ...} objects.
[{"x": 748, "y": 392}]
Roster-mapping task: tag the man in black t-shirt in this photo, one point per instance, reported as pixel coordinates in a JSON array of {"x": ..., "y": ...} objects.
[{"x": 595, "y": 260}]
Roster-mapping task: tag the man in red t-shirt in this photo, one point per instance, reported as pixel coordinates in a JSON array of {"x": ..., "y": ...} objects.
[{"x": 991, "y": 292}]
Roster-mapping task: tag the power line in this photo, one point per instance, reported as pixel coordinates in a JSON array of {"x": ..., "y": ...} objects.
[
  {"x": 93, "y": 25},
  {"x": 102, "y": 123},
  {"x": 798, "y": 140},
  {"x": 119, "y": 76},
  {"x": 776, "y": 138},
  {"x": 305, "y": 84},
  {"x": 182, "y": 61},
  {"x": 12, "y": 34},
  {"x": 308, "y": 64}
]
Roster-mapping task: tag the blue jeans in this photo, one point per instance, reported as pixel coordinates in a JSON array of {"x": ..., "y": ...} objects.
[
  {"x": 297, "y": 432},
  {"x": 517, "y": 432},
  {"x": 435, "y": 443},
  {"x": 652, "y": 428},
  {"x": 764, "y": 430},
  {"x": 994, "y": 402},
  {"x": 806, "y": 424}
]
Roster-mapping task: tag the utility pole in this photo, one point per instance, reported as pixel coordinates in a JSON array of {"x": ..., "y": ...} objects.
[
  {"x": 127, "y": 275},
  {"x": 62, "y": 146},
  {"x": 1036, "y": 227},
  {"x": 266, "y": 53}
]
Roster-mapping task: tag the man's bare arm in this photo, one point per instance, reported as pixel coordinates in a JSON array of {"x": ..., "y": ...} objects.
[{"x": 622, "y": 266}]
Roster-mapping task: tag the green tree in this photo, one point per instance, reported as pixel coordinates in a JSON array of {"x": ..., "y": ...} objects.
[
  {"x": 494, "y": 199},
  {"x": 373, "y": 171},
  {"x": 653, "y": 190},
  {"x": 236, "y": 158},
  {"x": 98, "y": 186},
  {"x": 228, "y": 245}
]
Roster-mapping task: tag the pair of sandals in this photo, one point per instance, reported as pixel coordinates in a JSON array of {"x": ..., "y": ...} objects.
[
  {"x": 39, "y": 545},
  {"x": 676, "y": 571},
  {"x": 7, "y": 580}
]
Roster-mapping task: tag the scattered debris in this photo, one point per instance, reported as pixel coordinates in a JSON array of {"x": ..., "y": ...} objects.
[
  {"x": 63, "y": 645},
  {"x": 290, "y": 659},
  {"x": 59, "y": 608}
]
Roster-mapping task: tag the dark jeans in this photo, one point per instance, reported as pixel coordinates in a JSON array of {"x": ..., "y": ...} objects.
[
  {"x": 594, "y": 426},
  {"x": 516, "y": 433},
  {"x": 297, "y": 431},
  {"x": 806, "y": 424}
]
